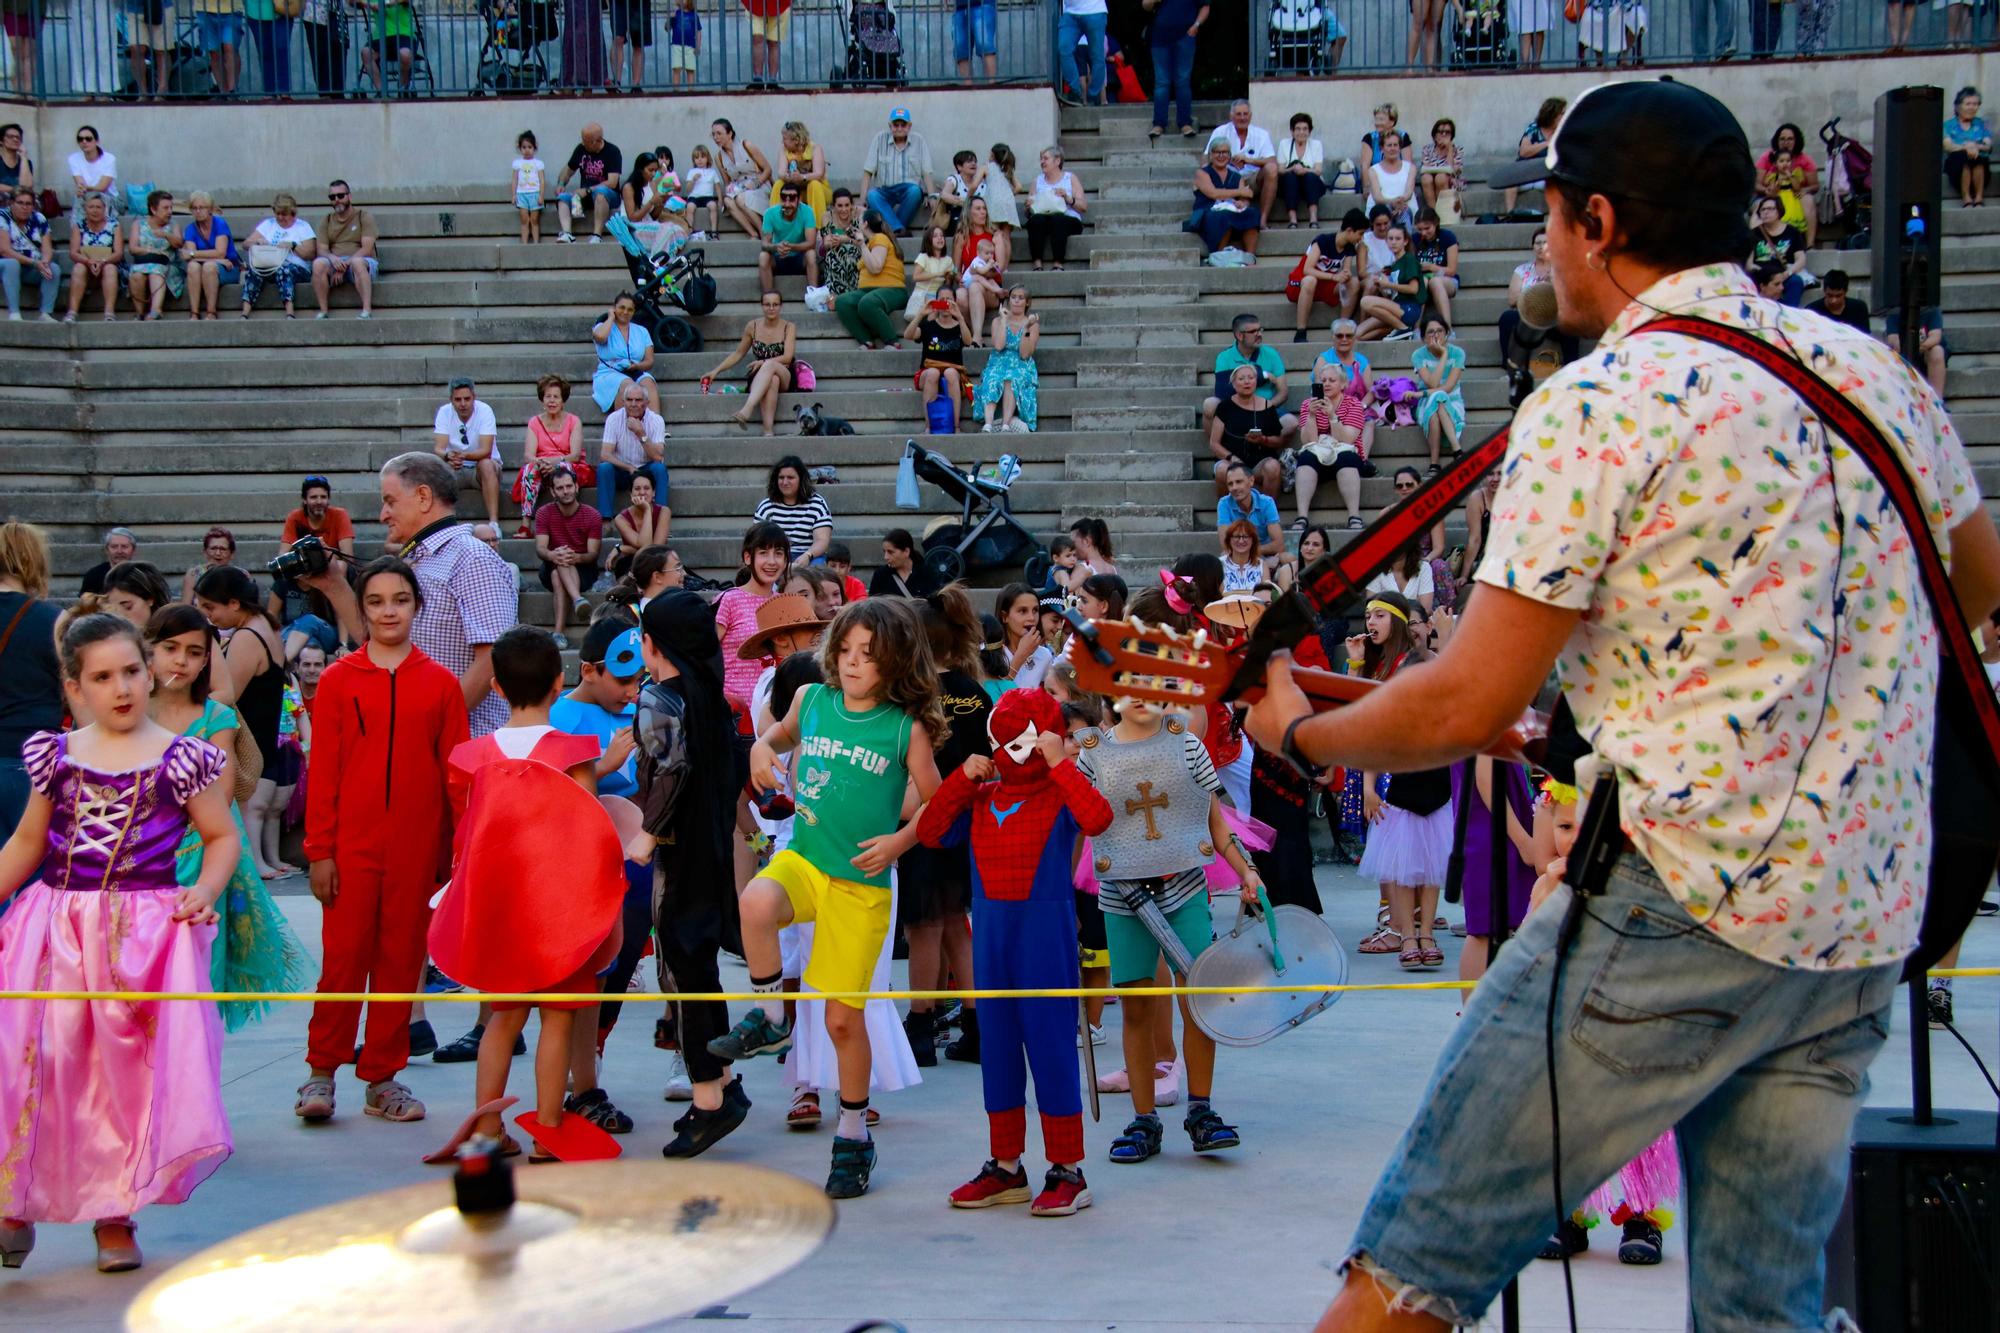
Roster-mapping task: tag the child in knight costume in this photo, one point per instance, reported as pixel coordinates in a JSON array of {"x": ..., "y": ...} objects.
[
  {"x": 1024, "y": 830},
  {"x": 1166, "y": 827}
]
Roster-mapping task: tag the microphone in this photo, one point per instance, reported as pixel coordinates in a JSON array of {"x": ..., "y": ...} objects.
[{"x": 1537, "y": 311}]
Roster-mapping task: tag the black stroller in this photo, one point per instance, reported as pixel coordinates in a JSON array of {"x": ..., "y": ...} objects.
[
  {"x": 874, "y": 48},
  {"x": 511, "y": 59},
  {"x": 951, "y": 549},
  {"x": 677, "y": 278},
  {"x": 1481, "y": 39}
]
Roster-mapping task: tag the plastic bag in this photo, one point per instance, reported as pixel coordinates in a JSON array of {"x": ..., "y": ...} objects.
[
  {"x": 819, "y": 300},
  {"x": 907, "y": 495}
]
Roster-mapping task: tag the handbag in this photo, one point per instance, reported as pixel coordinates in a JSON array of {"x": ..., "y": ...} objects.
[
  {"x": 266, "y": 258},
  {"x": 135, "y": 196},
  {"x": 907, "y": 495},
  {"x": 803, "y": 378}
]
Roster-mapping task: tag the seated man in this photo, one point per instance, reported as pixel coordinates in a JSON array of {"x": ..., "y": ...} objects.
[
  {"x": 28, "y": 253},
  {"x": 635, "y": 441},
  {"x": 463, "y": 435},
  {"x": 346, "y": 251},
  {"x": 568, "y": 537},
  {"x": 1835, "y": 303},
  {"x": 596, "y": 164},
  {"x": 1933, "y": 352},
  {"x": 1251, "y": 152},
  {"x": 790, "y": 242},
  {"x": 1329, "y": 272}
]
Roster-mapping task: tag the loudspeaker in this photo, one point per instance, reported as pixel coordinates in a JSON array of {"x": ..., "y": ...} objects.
[
  {"x": 1909, "y": 188},
  {"x": 1917, "y": 1246}
]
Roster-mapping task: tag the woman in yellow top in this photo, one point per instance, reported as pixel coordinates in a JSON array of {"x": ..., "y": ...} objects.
[
  {"x": 869, "y": 312},
  {"x": 804, "y": 165}
]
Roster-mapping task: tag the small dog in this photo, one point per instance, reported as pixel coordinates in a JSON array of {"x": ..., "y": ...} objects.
[{"x": 816, "y": 421}]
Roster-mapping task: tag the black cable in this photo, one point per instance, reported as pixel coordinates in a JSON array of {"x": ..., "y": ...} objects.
[
  {"x": 1983, "y": 1071},
  {"x": 1572, "y": 918}
]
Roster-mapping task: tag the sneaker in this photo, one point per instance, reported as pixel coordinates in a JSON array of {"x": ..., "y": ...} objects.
[
  {"x": 390, "y": 1100},
  {"x": 991, "y": 1187},
  {"x": 701, "y": 1130},
  {"x": 732, "y": 1093},
  {"x": 1096, "y": 1036},
  {"x": 1298, "y": 335},
  {"x": 1571, "y": 1238},
  {"x": 853, "y": 1162},
  {"x": 755, "y": 1035},
  {"x": 437, "y": 983},
  {"x": 423, "y": 1038},
  {"x": 1641, "y": 1243},
  {"x": 679, "y": 1087},
  {"x": 1206, "y": 1130},
  {"x": 1064, "y": 1193},
  {"x": 596, "y": 240},
  {"x": 1401, "y": 335},
  {"x": 581, "y": 609},
  {"x": 1939, "y": 1004},
  {"x": 562, "y": 641},
  {"x": 988, "y": 429},
  {"x": 566, "y": 239}
]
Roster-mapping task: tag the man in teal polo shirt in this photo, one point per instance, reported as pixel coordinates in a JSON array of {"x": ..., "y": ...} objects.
[{"x": 790, "y": 242}]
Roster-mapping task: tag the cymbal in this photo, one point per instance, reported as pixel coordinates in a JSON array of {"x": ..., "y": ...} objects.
[{"x": 587, "y": 1246}]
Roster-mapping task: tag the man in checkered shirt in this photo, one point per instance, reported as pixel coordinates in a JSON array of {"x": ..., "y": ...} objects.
[{"x": 471, "y": 595}]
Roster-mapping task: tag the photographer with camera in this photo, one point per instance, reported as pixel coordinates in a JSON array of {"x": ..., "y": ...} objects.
[{"x": 322, "y": 529}]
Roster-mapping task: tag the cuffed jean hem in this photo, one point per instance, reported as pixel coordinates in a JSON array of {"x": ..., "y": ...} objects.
[{"x": 1399, "y": 1297}]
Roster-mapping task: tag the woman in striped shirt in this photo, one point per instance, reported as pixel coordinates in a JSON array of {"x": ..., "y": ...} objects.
[{"x": 791, "y": 503}]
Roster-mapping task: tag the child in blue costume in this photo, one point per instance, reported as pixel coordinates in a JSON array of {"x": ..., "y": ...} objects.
[{"x": 1024, "y": 830}]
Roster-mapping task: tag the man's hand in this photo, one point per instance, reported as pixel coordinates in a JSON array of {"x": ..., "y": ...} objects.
[
  {"x": 325, "y": 882},
  {"x": 324, "y": 582},
  {"x": 1283, "y": 702}
]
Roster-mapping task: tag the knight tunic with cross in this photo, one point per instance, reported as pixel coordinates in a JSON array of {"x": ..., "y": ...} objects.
[
  {"x": 1024, "y": 830},
  {"x": 1160, "y": 790}
]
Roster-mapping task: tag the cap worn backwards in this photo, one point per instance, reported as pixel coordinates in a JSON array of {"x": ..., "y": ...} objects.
[{"x": 1654, "y": 141}]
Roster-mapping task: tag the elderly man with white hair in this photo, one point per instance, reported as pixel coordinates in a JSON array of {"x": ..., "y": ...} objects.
[
  {"x": 1251, "y": 152},
  {"x": 635, "y": 443},
  {"x": 120, "y": 545}
]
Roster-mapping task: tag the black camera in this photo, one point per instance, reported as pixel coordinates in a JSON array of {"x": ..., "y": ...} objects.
[{"x": 308, "y": 556}]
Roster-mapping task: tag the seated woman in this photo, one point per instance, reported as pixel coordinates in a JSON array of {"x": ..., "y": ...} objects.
[
  {"x": 1242, "y": 567},
  {"x": 1391, "y": 182},
  {"x": 770, "y": 342},
  {"x": 1799, "y": 177},
  {"x": 867, "y": 312},
  {"x": 96, "y": 246},
  {"x": 1330, "y": 427},
  {"x": 640, "y": 524},
  {"x": 624, "y": 352},
  {"x": 1439, "y": 364},
  {"x": 982, "y": 267},
  {"x": 1224, "y": 209},
  {"x": 153, "y": 257},
  {"x": 940, "y": 331},
  {"x": 554, "y": 439},
  {"x": 1411, "y": 575},
  {"x": 791, "y": 502},
  {"x": 803, "y": 163},
  {"x": 1299, "y": 181},
  {"x": 293, "y": 236},
  {"x": 1442, "y": 166},
  {"x": 1968, "y": 146},
  {"x": 1392, "y": 297},
  {"x": 1535, "y": 271},
  {"x": 1011, "y": 382},
  {"x": 1775, "y": 243},
  {"x": 1056, "y": 206},
  {"x": 936, "y": 272},
  {"x": 209, "y": 253},
  {"x": 638, "y": 203},
  {"x": 1247, "y": 429}
]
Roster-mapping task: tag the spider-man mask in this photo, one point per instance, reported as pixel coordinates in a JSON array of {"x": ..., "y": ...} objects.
[{"x": 1015, "y": 727}]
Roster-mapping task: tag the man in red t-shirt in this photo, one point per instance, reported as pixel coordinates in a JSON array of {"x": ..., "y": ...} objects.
[
  {"x": 568, "y": 535},
  {"x": 318, "y": 515}
]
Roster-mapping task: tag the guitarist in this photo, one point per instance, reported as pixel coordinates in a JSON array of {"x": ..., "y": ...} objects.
[{"x": 1739, "y": 619}]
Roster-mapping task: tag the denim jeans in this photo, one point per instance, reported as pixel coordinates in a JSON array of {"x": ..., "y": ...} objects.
[
  {"x": 897, "y": 203},
  {"x": 1173, "y": 72},
  {"x": 1087, "y": 80},
  {"x": 1724, "y": 12},
  {"x": 11, "y": 274},
  {"x": 1659, "y": 1025},
  {"x": 611, "y": 475}
]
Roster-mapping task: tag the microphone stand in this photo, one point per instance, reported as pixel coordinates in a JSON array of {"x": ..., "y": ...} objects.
[
  {"x": 1915, "y": 259},
  {"x": 1500, "y": 809}
]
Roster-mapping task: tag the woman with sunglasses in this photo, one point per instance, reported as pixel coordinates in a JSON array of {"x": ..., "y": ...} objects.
[
  {"x": 1431, "y": 543},
  {"x": 91, "y": 168}
]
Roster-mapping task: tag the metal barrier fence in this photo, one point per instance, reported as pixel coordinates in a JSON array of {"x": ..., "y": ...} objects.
[
  {"x": 1317, "y": 38},
  {"x": 93, "y": 50}
]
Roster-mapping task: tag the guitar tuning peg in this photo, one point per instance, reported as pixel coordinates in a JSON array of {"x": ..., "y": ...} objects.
[{"x": 1200, "y": 640}]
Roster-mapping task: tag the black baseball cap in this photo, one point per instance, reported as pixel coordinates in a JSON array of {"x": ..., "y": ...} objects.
[{"x": 1655, "y": 141}]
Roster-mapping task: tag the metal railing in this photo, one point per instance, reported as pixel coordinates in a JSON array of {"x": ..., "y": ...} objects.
[
  {"x": 1318, "y": 38},
  {"x": 94, "y": 50}
]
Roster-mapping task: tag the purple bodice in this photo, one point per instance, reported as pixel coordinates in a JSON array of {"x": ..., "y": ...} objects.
[{"x": 117, "y": 832}]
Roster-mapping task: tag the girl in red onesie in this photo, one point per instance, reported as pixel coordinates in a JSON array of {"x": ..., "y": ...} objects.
[{"x": 378, "y": 835}]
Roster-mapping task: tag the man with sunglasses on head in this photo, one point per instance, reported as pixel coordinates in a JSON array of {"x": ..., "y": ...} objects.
[
  {"x": 347, "y": 238},
  {"x": 463, "y": 436}
]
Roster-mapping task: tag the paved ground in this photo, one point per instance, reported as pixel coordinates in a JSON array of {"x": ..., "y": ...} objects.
[{"x": 1243, "y": 1240}]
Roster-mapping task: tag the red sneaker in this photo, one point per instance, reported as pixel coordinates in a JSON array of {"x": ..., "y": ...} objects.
[
  {"x": 992, "y": 1186},
  {"x": 1064, "y": 1193}
]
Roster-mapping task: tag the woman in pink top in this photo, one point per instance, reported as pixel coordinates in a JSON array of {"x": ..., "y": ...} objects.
[
  {"x": 1804, "y": 175},
  {"x": 555, "y": 439}
]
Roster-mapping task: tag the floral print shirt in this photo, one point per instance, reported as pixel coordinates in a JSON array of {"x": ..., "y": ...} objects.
[{"x": 1755, "y": 658}]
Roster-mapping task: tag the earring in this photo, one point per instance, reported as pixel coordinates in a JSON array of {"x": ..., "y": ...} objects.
[{"x": 1594, "y": 261}]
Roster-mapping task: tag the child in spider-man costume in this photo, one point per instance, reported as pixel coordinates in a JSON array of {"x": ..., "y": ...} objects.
[{"x": 1024, "y": 829}]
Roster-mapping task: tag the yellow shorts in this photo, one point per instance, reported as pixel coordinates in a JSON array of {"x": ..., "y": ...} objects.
[
  {"x": 854, "y": 919},
  {"x": 771, "y": 29}
]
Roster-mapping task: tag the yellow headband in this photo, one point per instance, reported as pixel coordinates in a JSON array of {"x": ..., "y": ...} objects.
[
  {"x": 1560, "y": 793},
  {"x": 1379, "y": 605}
]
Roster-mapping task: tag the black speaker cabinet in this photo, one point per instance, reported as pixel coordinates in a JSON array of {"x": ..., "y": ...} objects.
[
  {"x": 1917, "y": 1246},
  {"x": 1909, "y": 179}
]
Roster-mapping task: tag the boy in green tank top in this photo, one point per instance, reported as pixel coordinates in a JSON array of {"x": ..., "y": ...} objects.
[{"x": 863, "y": 762}]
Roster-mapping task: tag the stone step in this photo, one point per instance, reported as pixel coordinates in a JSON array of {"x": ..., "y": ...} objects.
[{"x": 1130, "y": 465}]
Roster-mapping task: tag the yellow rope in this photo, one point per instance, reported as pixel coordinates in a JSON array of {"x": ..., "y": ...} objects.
[{"x": 765, "y": 997}]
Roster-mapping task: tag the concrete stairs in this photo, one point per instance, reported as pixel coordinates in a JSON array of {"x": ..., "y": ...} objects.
[{"x": 169, "y": 427}]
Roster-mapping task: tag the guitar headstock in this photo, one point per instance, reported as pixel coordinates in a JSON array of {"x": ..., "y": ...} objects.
[{"x": 1131, "y": 659}]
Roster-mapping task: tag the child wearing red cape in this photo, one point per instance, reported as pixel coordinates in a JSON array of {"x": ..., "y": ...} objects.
[{"x": 538, "y": 881}]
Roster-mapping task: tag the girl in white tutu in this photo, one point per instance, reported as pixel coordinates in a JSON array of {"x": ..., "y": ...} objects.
[{"x": 1410, "y": 828}]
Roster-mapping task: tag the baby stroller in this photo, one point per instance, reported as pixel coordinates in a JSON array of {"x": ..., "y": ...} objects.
[
  {"x": 1481, "y": 39},
  {"x": 952, "y": 549},
  {"x": 874, "y": 49},
  {"x": 677, "y": 278},
  {"x": 1848, "y": 188},
  {"x": 511, "y": 59},
  {"x": 1298, "y": 36}
]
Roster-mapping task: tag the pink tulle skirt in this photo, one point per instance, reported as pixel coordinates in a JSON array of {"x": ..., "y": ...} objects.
[
  {"x": 1649, "y": 1181},
  {"x": 105, "y": 1105}
]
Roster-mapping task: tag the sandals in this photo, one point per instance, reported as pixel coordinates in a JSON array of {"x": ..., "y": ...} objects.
[
  {"x": 1428, "y": 951},
  {"x": 1140, "y": 1140},
  {"x": 390, "y": 1100},
  {"x": 1384, "y": 940},
  {"x": 1412, "y": 956},
  {"x": 1207, "y": 1131},
  {"x": 595, "y": 1106},
  {"x": 315, "y": 1103},
  {"x": 805, "y": 1112}
]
